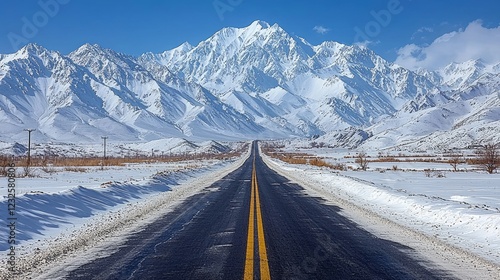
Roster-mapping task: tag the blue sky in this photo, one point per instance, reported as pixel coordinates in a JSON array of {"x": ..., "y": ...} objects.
[{"x": 392, "y": 28}]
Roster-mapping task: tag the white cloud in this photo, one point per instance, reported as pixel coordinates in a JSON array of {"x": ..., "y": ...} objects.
[
  {"x": 425, "y": 29},
  {"x": 320, "y": 29},
  {"x": 420, "y": 33},
  {"x": 366, "y": 44},
  {"x": 475, "y": 42}
]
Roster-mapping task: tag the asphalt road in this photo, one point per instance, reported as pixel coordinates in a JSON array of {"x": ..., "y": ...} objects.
[{"x": 255, "y": 224}]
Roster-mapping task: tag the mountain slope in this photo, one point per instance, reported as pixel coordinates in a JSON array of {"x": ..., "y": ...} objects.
[
  {"x": 94, "y": 92},
  {"x": 246, "y": 83},
  {"x": 38, "y": 89},
  {"x": 329, "y": 86},
  {"x": 465, "y": 113}
]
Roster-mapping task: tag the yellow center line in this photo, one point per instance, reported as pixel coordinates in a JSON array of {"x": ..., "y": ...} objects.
[
  {"x": 255, "y": 211},
  {"x": 264, "y": 264},
  {"x": 250, "y": 239}
]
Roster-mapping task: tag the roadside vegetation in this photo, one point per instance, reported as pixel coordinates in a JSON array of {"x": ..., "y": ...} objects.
[
  {"x": 482, "y": 158},
  {"x": 299, "y": 158},
  {"x": 57, "y": 163}
]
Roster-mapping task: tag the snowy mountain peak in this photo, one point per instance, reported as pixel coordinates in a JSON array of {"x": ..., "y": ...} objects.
[
  {"x": 91, "y": 50},
  {"x": 185, "y": 47},
  {"x": 458, "y": 75},
  {"x": 33, "y": 48},
  {"x": 94, "y": 52},
  {"x": 88, "y": 52},
  {"x": 104, "y": 61},
  {"x": 474, "y": 64},
  {"x": 259, "y": 24},
  {"x": 331, "y": 45},
  {"x": 180, "y": 50},
  {"x": 168, "y": 55},
  {"x": 29, "y": 51},
  {"x": 256, "y": 28}
]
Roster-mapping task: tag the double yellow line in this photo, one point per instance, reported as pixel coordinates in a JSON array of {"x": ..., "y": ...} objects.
[{"x": 250, "y": 253}]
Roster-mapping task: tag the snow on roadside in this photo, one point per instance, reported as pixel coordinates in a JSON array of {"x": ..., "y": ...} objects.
[
  {"x": 56, "y": 225},
  {"x": 48, "y": 208},
  {"x": 473, "y": 231}
]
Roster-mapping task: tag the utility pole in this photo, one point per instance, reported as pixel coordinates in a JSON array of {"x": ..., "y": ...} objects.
[
  {"x": 29, "y": 130},
  {"x": 104, "y": 155}
]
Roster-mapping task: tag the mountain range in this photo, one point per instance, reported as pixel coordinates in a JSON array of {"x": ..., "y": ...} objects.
[{"x": 256, "y": 82}]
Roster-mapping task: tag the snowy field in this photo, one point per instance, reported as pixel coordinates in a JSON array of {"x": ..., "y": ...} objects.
[
  {"x": 461, "y": 209},
  {"x": 62, "y": 213},
  {"x": 471, "y": 189},
  {"x": 60, "y": 179}
]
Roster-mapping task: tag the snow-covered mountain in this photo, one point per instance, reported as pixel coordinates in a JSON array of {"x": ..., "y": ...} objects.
[
  {"x": 451, "y": 125},
  {"x": 45, "y": 90},
  {"x": 94, "y": 92},
  {"x": 465, "y": 112},
  {"x": 245, "y": 83},
  {"x": 288, "y": 84}
]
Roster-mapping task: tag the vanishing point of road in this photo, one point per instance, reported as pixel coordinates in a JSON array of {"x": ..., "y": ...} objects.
[{"x": 256, "y": 224}]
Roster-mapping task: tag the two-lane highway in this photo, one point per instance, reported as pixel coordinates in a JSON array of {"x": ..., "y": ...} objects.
[{"x": 256, "y": 224}]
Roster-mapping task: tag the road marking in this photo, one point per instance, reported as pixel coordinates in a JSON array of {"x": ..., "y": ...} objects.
[
  {"x": 250, "y": 239},
  {"x": 264, "y": 263},
  {"x": 255, "y": 212}
]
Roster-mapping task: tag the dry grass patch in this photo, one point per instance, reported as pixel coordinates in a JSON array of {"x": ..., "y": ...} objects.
[
  {"x": 301, "y": 158},
  {"x": 49, "y": 164}
]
